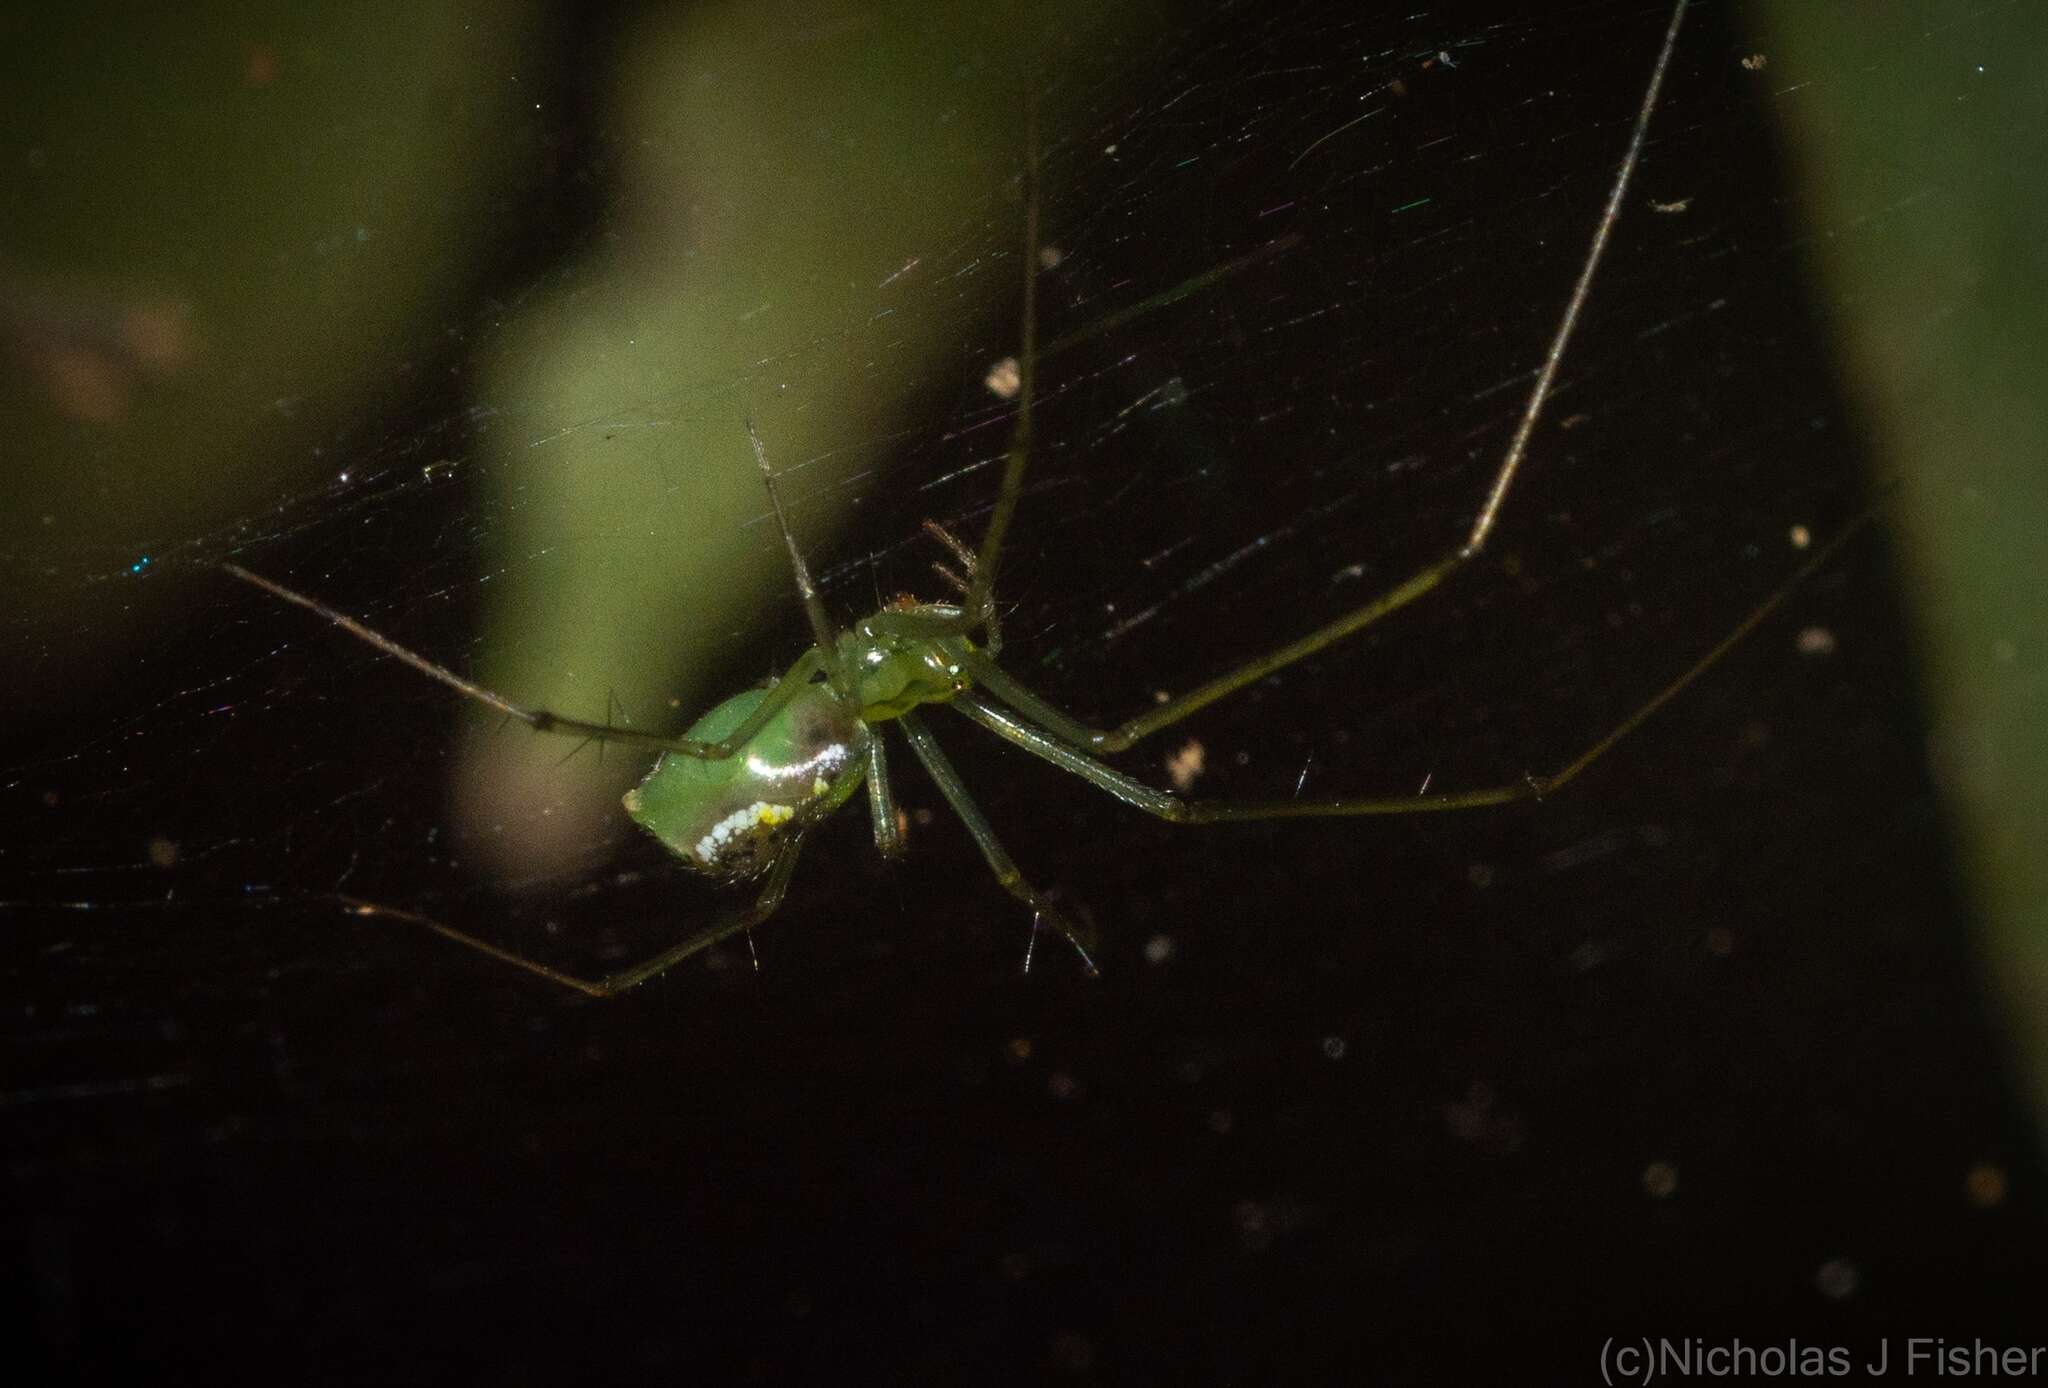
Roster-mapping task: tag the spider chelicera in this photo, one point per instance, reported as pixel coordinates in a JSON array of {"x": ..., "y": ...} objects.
[{"x": 734, "y": 796}]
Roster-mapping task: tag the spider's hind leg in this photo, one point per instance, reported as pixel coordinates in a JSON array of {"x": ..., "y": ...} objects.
[
  {"x": 617, "y": 982},
  {"x": 539, "y": 719}
]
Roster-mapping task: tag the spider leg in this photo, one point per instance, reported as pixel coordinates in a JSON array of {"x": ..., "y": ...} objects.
[
  {"x": 999, "y": 861},
  {"x": 1058, "y": 750},
  {"x": 612, "y": 983},
  {"x": 540, "y": 719},
  {"x": 979, "y": 600},
  {"x": 814, "y": 606},
  {"x": 882, "y": 802},
  {"x": 1067, "y": 728}
]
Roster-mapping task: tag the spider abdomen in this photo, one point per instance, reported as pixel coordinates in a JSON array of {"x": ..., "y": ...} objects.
[{"x": 729, "y": 816}]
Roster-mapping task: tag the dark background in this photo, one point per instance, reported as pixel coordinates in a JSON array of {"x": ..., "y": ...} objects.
[{"x": 1697, "y": 1048}]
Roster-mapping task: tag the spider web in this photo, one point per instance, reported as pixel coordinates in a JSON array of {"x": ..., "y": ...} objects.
[
  {"x": 451, "y": 317},
  {"x": 1300, "y": 266}
]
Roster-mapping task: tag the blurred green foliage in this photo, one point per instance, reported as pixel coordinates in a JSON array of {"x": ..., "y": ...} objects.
[{"x": 1918, "y": 138}]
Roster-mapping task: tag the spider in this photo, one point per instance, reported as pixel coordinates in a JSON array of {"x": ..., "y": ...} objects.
[{"x": 735, "y": 795}]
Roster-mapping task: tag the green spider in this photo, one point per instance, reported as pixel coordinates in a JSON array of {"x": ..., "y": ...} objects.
[{"x": 734, "y": 796}]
